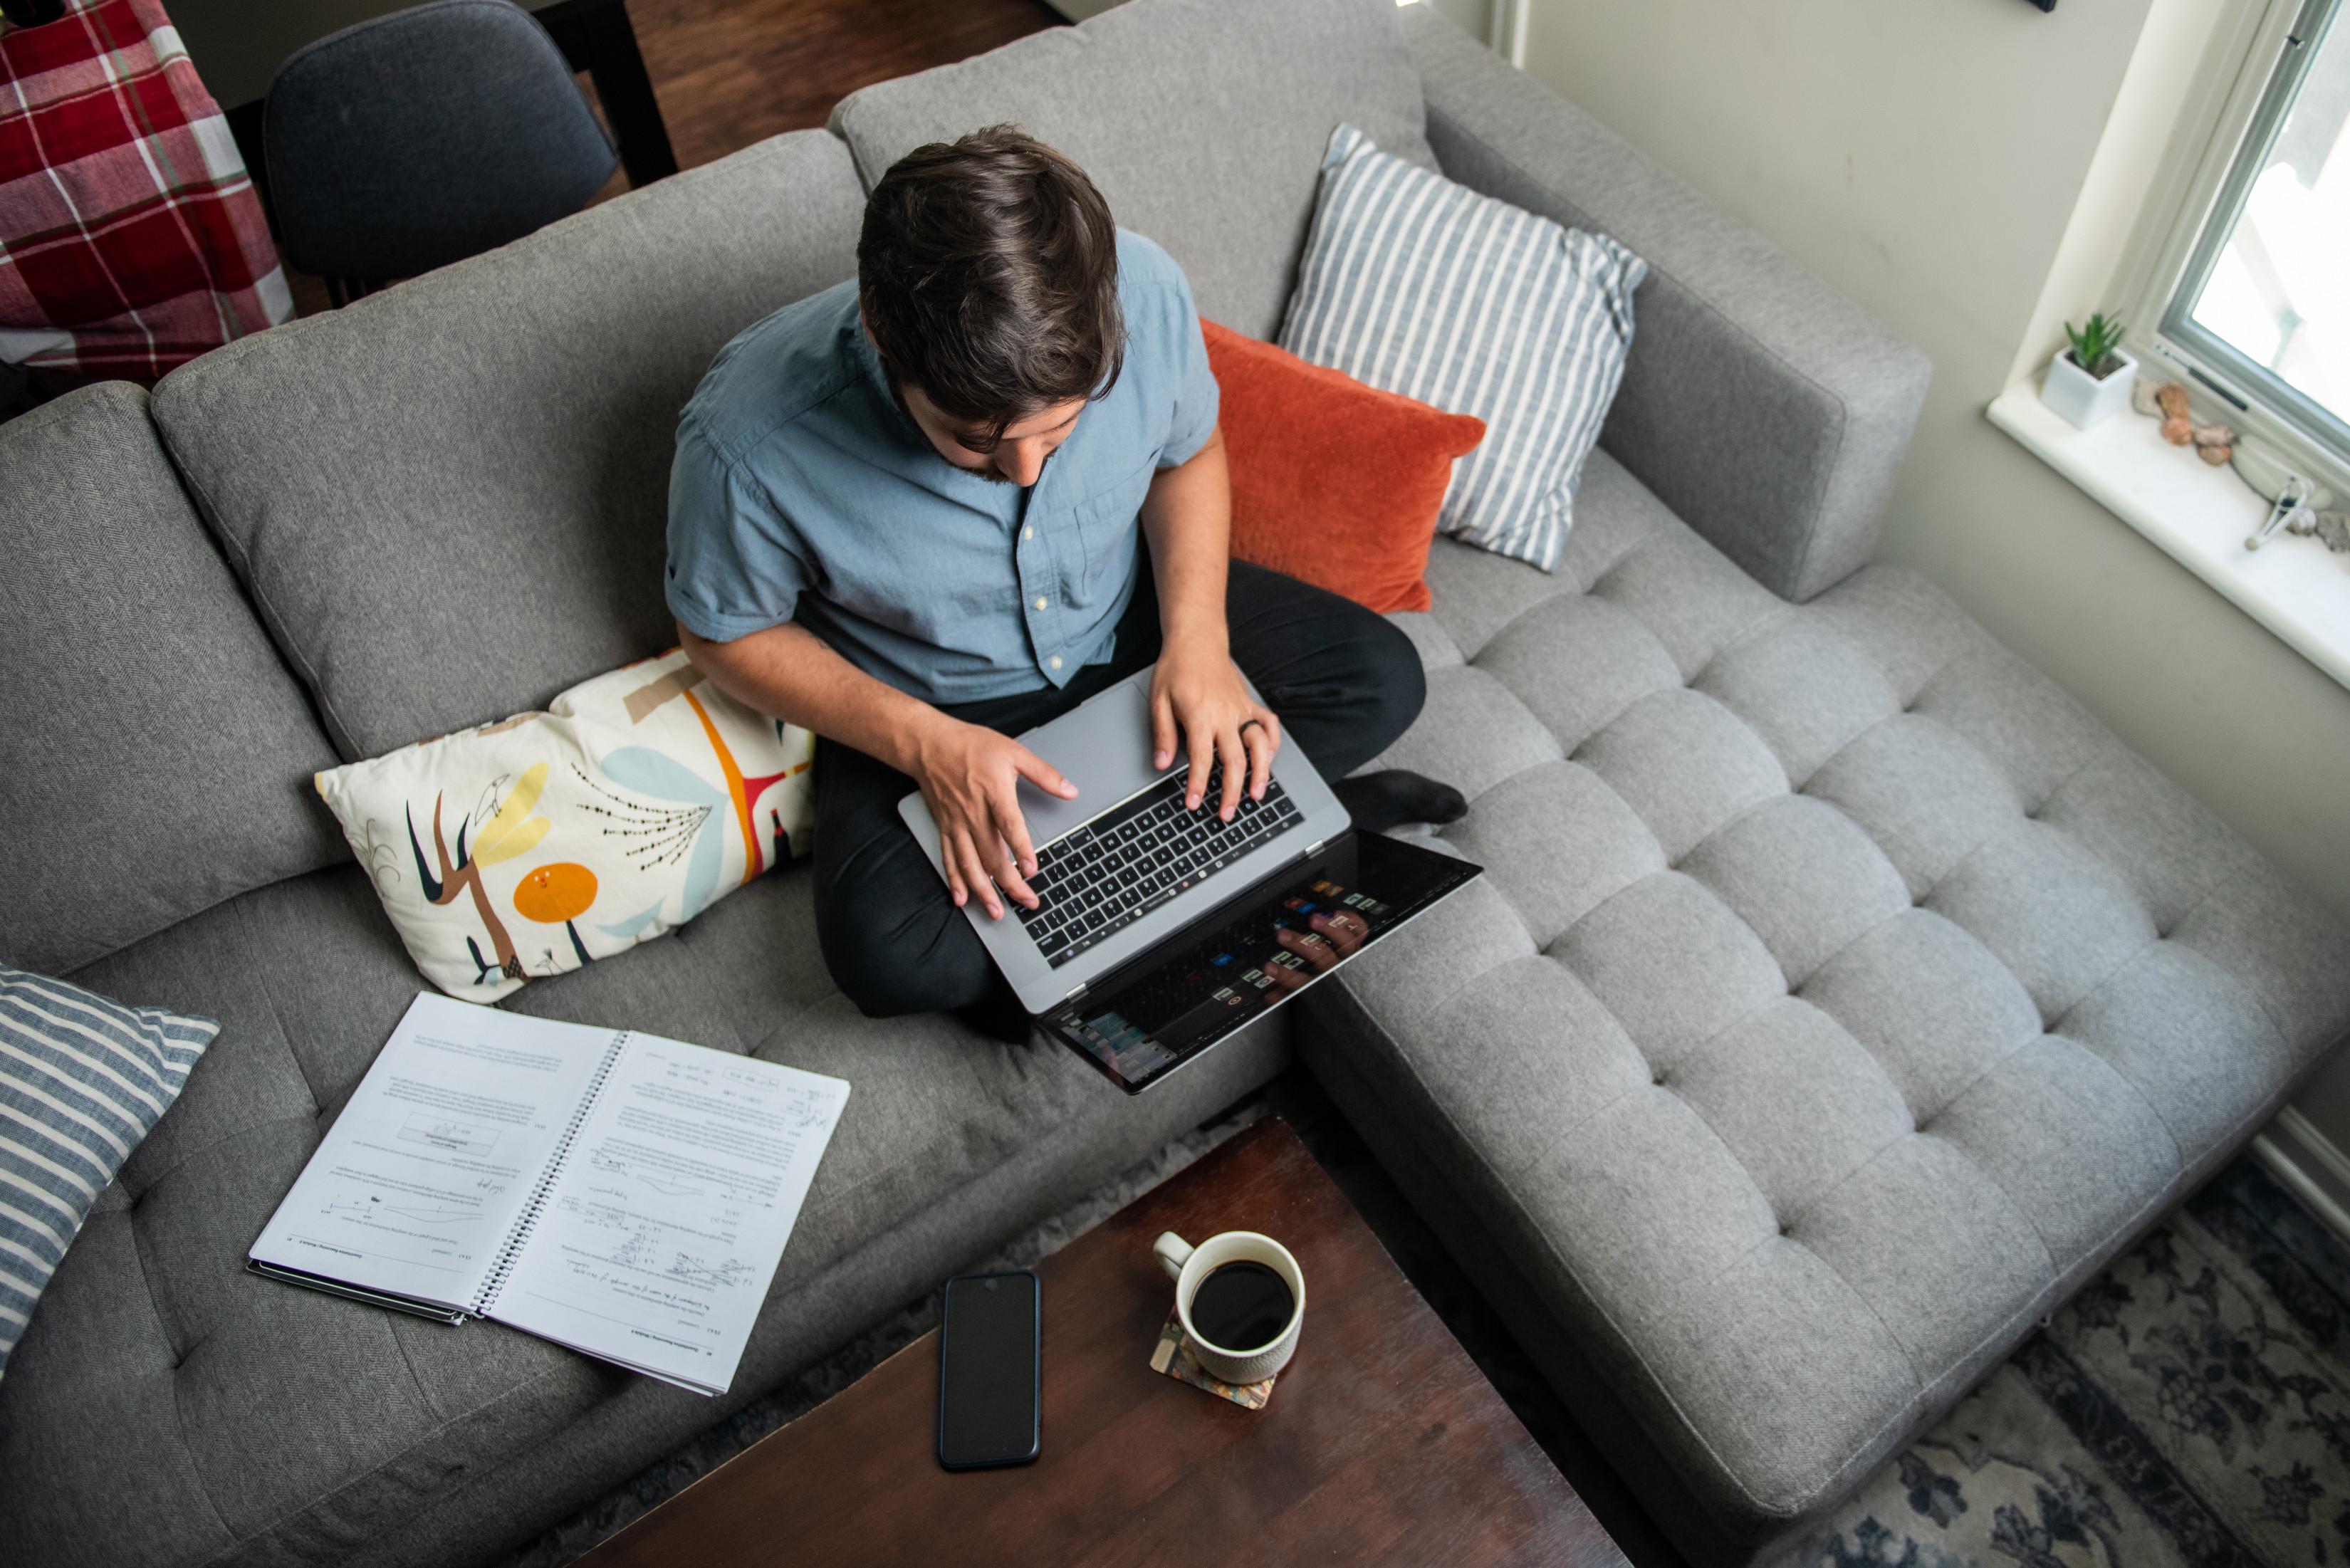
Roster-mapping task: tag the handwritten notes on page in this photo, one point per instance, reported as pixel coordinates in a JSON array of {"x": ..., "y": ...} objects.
[{"x": 656, "y": 1243}]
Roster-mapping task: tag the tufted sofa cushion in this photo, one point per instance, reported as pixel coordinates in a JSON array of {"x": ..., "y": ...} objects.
[
  {"x": 158, "y": 751},
  {"x": 1838, "y": 995}
]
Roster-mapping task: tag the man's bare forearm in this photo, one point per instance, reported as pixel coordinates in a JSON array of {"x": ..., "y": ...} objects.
[
  {"x": 788, "y": 671},
  {"x": 1198, "y": 699},
  {"x": 1187, "y": 519}
]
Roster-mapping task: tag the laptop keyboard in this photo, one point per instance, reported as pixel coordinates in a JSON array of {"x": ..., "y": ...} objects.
[{"x": 1094, "y": 882}]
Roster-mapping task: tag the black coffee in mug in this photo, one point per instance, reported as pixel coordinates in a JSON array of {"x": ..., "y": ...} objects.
[{"x": 1241, "y": 1306}]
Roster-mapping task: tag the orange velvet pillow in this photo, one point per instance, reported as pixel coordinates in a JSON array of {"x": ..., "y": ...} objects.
[{"x": 1335, "y": 483}]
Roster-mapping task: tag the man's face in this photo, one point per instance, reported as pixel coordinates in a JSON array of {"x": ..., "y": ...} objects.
[{"x": 1018, "y": 458}]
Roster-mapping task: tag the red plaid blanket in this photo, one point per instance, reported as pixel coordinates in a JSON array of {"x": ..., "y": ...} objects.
[{"x": 131, "y": 238}]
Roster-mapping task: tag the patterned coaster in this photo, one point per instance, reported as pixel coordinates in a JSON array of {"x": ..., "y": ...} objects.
[{"x": 1176, "y": 1360}]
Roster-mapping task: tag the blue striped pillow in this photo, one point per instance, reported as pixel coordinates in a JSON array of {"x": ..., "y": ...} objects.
[
  {"x": 1418, "y": 286},
  {"x": 82, "y": 1080}
]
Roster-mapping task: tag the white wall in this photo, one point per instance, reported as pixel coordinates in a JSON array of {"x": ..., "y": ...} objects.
[
  {"x": 1925, "y": 157},
  {"x": 1473, "y": 18}
]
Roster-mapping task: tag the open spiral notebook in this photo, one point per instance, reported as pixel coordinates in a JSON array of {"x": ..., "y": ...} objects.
[{"x": 619, "y": 1193}]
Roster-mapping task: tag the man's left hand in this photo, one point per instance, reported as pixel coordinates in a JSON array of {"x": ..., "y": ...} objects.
[{"x": 1199, "y": 690}]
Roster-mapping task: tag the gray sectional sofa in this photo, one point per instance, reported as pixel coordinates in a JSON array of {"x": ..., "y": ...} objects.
[{"x": 1839, "y": 997}]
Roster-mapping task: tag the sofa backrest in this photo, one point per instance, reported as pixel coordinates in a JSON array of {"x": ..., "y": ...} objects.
[
  {"x": 158, "y": 754},
  {"x": 1768, "y": 411},
  {"x": 1203, "y": 122},
  {"x": 449, "y": 500}
]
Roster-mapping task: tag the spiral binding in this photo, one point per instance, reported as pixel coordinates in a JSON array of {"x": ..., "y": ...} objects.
[{"x": 487, "y": 1296}]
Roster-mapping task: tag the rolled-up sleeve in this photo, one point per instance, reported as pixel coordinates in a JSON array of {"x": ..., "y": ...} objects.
[
  {"x": 1197, "y": 399},
  {"x": 733, "y": 564}
]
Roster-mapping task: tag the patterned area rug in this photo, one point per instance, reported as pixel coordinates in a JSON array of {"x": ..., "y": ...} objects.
[{"x": 2188, "y": 1409}]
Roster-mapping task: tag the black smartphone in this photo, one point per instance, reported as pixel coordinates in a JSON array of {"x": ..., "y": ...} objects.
[{"x": 989, "y": 1371}]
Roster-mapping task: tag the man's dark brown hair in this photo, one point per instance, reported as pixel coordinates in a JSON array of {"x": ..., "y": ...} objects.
[{"x": 988, "y": 269}]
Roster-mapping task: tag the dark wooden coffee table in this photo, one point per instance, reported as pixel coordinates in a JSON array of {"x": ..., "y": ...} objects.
[{"x": 1382, "y": 1443}]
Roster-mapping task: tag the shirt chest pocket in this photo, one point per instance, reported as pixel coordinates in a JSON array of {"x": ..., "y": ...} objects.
[{"x": 1106, "y": 533}]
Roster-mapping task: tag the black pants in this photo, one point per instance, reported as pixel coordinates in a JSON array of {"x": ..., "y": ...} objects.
[{"x": 1344, "y": 682}]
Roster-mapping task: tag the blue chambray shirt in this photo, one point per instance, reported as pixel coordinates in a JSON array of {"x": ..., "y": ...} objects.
[{"x": 800, "y": 492}]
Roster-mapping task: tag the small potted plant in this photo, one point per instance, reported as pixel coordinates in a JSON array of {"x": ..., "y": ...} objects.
[{"x": 2090, "y": 382}]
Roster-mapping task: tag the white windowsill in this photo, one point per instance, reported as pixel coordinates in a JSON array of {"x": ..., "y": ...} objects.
[{"x": 2198, "y": 514}]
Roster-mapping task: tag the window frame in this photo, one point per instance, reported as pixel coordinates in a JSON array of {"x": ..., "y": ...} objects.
[{"x": 2251, "y": 80}]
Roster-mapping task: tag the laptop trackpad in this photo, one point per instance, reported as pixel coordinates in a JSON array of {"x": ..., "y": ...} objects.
[{"x": 1102, "y": 747}]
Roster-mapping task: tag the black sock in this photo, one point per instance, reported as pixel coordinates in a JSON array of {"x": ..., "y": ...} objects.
[
  {"x": 1389, "y": 799},
  {"x": 998, "y": 1014}
]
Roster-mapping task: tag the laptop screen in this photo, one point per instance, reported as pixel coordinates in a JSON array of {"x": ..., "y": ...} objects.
[{"x": 1147, "y": 1019}]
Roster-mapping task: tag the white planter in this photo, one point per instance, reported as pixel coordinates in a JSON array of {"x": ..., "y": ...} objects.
[{"x": 2080, "y": 397}]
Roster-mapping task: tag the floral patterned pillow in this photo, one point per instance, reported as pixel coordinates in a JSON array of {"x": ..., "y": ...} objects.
[{"x": 530, "y": 847}]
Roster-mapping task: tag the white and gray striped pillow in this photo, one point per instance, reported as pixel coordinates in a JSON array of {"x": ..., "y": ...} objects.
[
  {"x": 82, "y": 1080},
  {"x": 1415, "y": 285}
]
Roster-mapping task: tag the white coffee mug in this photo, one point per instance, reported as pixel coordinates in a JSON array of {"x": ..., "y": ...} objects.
[{"x": 1190, "y": 1264}]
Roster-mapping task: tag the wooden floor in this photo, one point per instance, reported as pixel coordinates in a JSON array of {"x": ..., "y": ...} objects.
[{"x": 731, "y": 72}]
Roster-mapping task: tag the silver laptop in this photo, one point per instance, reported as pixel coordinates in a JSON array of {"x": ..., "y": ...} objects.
[
  {"x": 1176, "y": 860},
  {"x": 1146, "y": 908}
]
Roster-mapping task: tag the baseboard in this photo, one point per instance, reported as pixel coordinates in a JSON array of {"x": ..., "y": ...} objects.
[{"x": 2309, "y": 1166}]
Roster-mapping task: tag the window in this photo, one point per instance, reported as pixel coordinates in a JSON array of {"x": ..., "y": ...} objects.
[{"x": 2250, "y": 305}]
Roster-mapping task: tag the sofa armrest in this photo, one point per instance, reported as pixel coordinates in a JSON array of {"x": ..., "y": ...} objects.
[{"x": 1766, "y": 408}]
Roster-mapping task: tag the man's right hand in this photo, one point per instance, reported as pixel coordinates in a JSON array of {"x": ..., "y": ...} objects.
[{"x": 970, "y": 777}]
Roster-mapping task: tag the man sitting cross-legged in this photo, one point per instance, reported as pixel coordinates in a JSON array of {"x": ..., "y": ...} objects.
[{"x": 908, "y": 514}]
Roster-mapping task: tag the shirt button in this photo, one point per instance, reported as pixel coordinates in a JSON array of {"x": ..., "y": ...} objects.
[
  {"x": 1027, "y": 533},
  {"x": 1057, "y": 661},
  {"x": 1041, "y": 603}
]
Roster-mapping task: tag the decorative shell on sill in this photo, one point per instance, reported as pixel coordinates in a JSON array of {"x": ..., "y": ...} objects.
[
  {"x": 2213, "y": 444},
  {"x": 2216, "y": 443},
  {"x": 2332, "y": 528}
]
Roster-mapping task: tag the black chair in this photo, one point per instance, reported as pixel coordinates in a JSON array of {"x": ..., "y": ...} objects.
[{"x": 423, "y": 137}]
